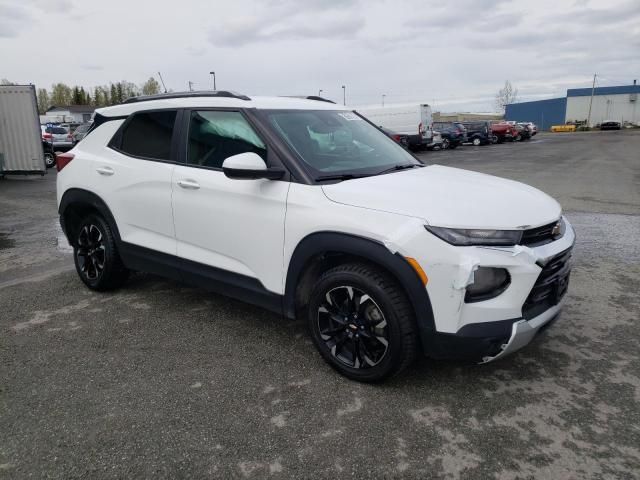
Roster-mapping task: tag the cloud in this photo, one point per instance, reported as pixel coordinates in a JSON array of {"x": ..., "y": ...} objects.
[
  {"x": 12, "y": 20},
  {"x": 247, "y": 30},
  {"x": 90, "y": 66}
]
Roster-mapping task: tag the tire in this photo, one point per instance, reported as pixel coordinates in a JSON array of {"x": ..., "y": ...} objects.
[
  {"x": 96, "y": 256},
  {"x": 49, "y": 160},
  {"x": 445, "y": 144},
  {"x": 378, "y": 339},
  {"x": 453, "y": 146},
  {"x": 476, "y": 142}
]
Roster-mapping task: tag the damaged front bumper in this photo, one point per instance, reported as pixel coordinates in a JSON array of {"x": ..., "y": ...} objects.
[{"x": 523, "y": 331}]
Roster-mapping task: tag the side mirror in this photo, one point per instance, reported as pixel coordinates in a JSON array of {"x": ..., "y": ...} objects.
[{"x": 249, "y": 166}]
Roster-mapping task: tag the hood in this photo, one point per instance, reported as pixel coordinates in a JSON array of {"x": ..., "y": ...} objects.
[{"x": 450, "y": 197}]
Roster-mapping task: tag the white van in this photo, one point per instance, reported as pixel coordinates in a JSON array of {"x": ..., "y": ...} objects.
[{"x": 412, "y": 119}]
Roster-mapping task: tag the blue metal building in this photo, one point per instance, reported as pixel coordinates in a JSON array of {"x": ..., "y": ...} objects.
[
  {"x": 543, "y": 113},
  {"x": 618, "y": 103}
]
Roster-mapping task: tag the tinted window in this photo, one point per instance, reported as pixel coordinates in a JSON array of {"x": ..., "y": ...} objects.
[
  {"x": 56, "y": 130},
  {"x": 216, "y": 136},
  {"x": 148, "y": 135}
]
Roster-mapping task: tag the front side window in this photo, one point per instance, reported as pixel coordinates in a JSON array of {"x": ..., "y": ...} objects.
[
  {"x": 337, "y": 142},
  {"x": 148, "y": 135},
  {"x": 215, "y": 136}
]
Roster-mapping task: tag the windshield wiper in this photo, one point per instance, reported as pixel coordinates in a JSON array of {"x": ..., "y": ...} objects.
[
  {"x": 341, "y": 176},
  {"x": 402, "y": 166}
]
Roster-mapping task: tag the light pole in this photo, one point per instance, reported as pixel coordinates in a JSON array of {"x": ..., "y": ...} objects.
[
  {"x": 344, "y": 95},
  {"x": 320, "y": 92},
  {"x": 383, "y": 95},
  {"x": 214, "y": 79},
  {"x": 190, "y": 86}
]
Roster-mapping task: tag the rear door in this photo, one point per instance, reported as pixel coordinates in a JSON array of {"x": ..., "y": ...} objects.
[
  {"x": 234, "y": 226},
  {"x": 133, "y": 176}
]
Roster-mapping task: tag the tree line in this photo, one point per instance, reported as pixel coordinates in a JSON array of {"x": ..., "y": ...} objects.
[{"x": 62, "y": 94}]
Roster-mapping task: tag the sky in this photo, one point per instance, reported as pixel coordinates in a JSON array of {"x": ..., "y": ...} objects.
[{"x": 452, "y": 55}]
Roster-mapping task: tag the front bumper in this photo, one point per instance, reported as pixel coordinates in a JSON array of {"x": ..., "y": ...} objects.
[
  {"x": 523, "y": 331},
  {"x": 490, "y": 329}
]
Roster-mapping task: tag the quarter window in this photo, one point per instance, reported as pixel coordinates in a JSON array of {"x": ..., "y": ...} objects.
[
  {"x": 215, "y": 136},
  {"x": 148, "y": 135}
]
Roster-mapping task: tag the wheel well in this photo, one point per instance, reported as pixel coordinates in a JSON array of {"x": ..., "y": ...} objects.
[
  {"x": 319, "y": 264},
  {"x": 73, "y": 215}
]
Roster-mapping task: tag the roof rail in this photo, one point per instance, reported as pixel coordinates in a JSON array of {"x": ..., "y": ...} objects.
[
  {"x": 203, "y": 93},
  {"x": 319, "y": 99},
  {"x": 309, "y": 97}
]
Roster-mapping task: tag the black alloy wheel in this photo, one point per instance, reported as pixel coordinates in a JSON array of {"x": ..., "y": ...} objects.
[
  {"x": 95, "y": 255},
  {"x": 353, "y": 327},
  {"x": 90, "y": 254},
  {"x": 362, "y": 323}
]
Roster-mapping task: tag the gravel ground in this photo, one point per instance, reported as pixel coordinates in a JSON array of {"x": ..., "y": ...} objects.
[{"x": 161, "y": 380}]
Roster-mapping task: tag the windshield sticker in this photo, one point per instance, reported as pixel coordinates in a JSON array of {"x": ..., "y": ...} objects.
[{"x": 349, "y": 116}]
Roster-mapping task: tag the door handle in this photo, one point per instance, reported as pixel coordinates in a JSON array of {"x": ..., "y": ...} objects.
[
  {"x": 189, "y": 184},
  {"x": 105, "y": 170}
]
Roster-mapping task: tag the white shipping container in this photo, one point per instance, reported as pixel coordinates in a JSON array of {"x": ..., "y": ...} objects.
[
  {"x": 20, "y": 134},
  {"x": 413, "y": 119}
]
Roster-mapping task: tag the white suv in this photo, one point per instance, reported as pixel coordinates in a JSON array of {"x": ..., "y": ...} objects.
[{"x": 308, "y": 209}]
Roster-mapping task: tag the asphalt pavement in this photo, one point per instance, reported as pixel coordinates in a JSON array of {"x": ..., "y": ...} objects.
[{"x": 161, "y": 380}]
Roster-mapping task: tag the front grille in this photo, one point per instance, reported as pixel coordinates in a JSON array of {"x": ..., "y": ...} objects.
[
  {"x": 539, "y": 235},
  {"x": 550, "y": 286}
]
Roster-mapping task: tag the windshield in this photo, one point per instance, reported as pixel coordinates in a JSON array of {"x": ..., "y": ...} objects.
[{"x": 338, "y": 142}]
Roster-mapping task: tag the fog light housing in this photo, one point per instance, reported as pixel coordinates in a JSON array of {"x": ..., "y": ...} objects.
[{"x": 488, "y": 282}]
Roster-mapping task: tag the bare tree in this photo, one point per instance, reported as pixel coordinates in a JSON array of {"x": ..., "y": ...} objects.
[{"x": 505, "y": 96}]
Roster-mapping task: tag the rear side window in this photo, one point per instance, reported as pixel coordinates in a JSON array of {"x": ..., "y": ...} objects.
[
  {"x": 148, "y": 135},
  {"x": 215, "y": 136}
]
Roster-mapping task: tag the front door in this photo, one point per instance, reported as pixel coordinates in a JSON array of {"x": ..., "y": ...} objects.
[{"x": 236, "y": 226}]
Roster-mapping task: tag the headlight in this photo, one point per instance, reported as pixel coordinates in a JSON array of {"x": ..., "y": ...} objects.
[{"x": 469, "y": 237}]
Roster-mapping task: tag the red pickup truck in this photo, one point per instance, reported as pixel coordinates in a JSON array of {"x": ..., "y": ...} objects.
[{"x": 504, "y": 131}]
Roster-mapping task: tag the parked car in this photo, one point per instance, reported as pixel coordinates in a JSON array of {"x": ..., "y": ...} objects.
[
  {"x": 58, "y": 137},
  {"x": 533, "y": 128},
  {"x": 437, "y": 142},
  {"x": 453, "y": 133},
  {"x": 311, "y": 212},
  {"x": 524, "y": 131},
  {"x": 80, "y": 132},
  {"x": 478, "y": 133},
  {"x": 400, "y": 138},
  {"x": 414, "y": 120},
  {"x": 503, "y": 132},
  {"x": 610, "y": 125}
]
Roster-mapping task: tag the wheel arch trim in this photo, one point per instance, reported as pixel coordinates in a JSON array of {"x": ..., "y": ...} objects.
[
  {"x": 319, "y": 243},
  {"x": 75, "y": 196}
]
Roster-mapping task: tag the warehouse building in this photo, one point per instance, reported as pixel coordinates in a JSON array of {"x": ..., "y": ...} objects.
[{"x": 609, "y": 103}]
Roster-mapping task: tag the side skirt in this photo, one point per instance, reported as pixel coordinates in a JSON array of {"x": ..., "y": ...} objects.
[{"x": 230, "y": 284}]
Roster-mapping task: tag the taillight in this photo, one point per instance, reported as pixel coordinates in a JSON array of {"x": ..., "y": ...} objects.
[
  {"x": 420, "y": 129},
  {"x": 63, "y": 159},
  {"x": 47, "y": 135},
  {"x": 396, "y": 138}
]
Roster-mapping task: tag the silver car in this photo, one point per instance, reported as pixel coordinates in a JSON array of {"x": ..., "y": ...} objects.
[{"x": 58, "y": 137}]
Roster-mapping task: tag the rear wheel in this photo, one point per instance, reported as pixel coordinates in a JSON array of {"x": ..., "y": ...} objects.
[
  {"x": 362, "y": 323},
  {"x": 49, "y": 159},
  {"x": 476, "y": 142},
  {"x": 96, "y": 256}
]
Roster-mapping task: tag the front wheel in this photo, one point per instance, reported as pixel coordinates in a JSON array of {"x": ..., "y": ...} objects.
[
  {"x": 446, "y": 144},
  {"x": 362, "y": 323},
  {"x": 96, "y": 257},
  {"x": 476, "y": 142}
]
